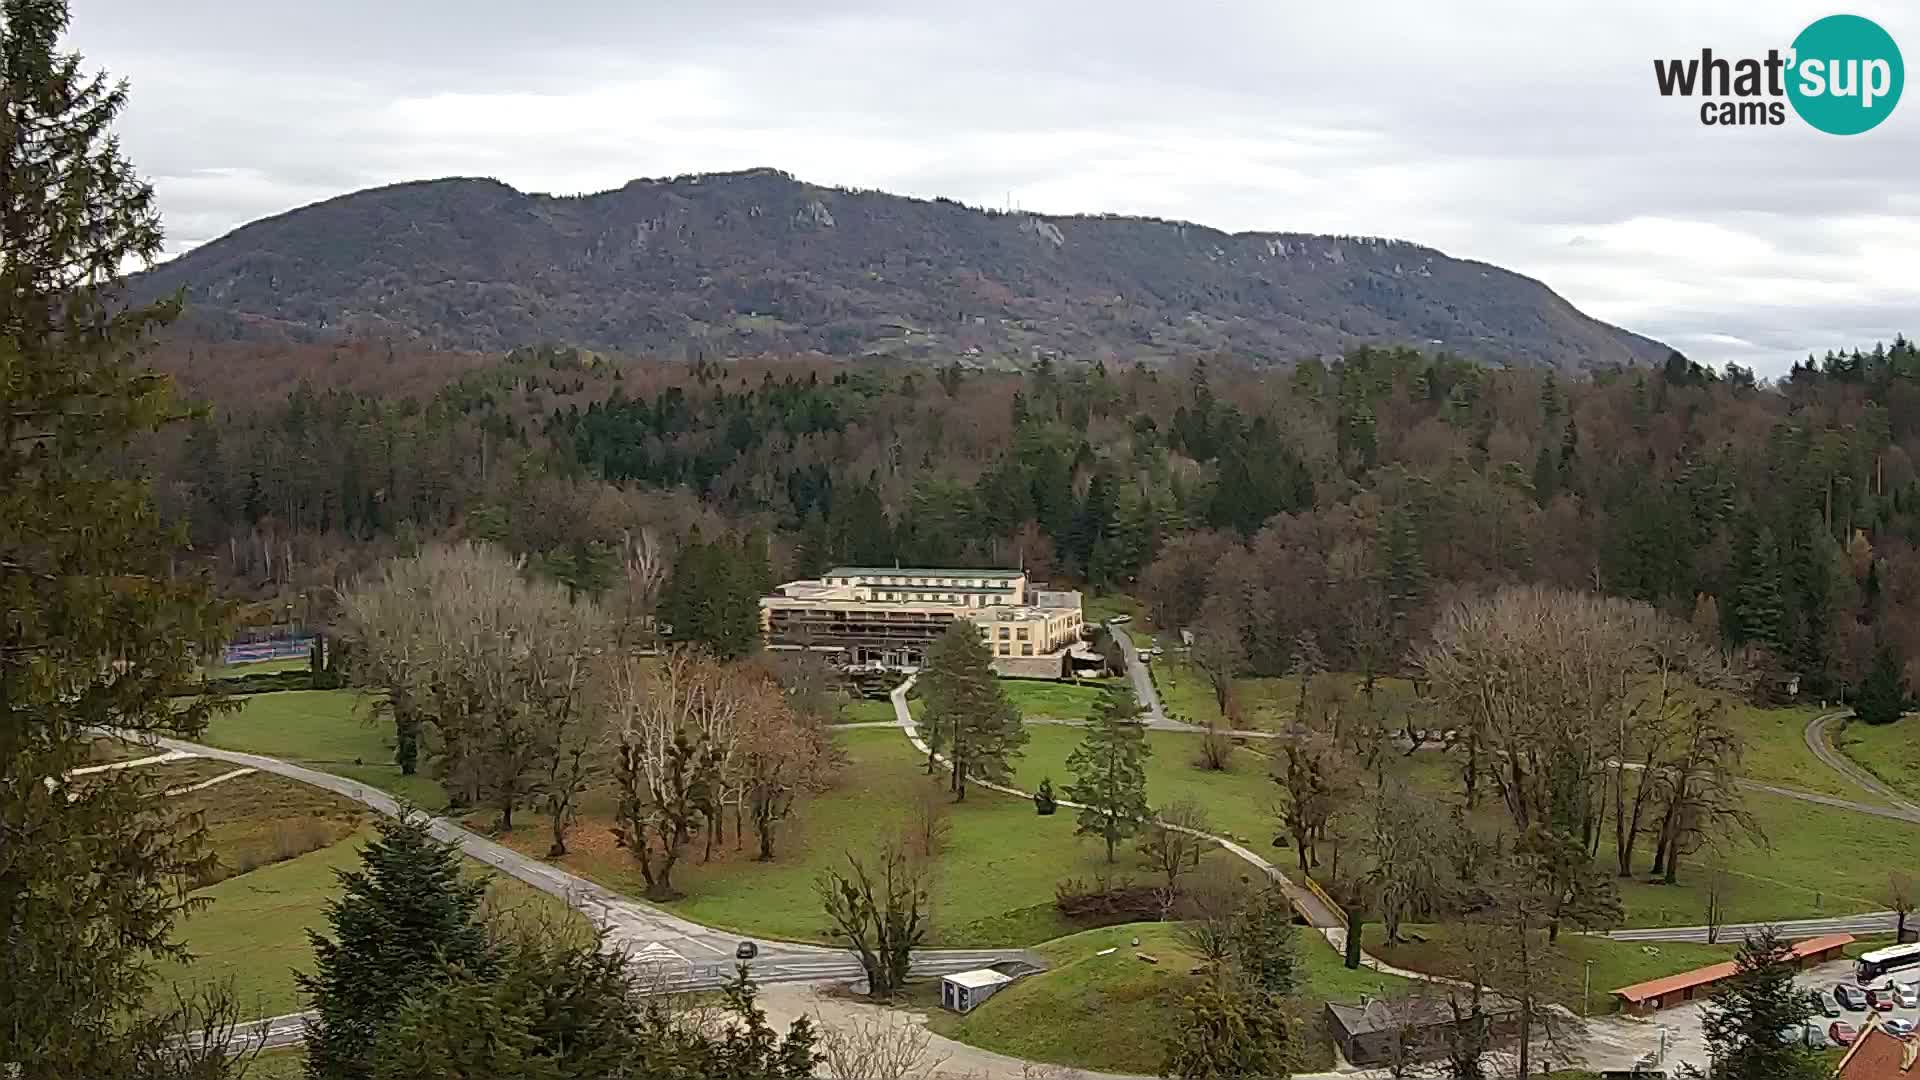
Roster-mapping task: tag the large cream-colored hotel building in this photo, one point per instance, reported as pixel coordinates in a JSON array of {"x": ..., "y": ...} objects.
[{"x": 887, "y": 616}]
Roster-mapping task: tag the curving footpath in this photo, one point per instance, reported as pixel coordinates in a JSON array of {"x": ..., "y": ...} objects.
[
  {"x": 1816, "y": 737},
  {"x": 677, "y": 953},
  {"x": 684, "y": 955}
]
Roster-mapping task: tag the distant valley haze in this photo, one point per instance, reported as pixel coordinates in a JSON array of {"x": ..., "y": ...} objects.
[{"x": 1530, "y": 137}]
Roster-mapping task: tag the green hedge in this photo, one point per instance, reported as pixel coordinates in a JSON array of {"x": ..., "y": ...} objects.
[{"x": 267, "y": 682}]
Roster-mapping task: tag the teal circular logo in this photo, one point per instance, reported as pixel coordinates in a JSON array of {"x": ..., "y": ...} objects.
[{"x": 1846, "y": 75}]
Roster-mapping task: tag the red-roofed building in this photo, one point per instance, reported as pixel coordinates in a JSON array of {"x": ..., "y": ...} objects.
[
  {"x": 1656, "y": 994},
  {"x": 1877, "y": 1055}
]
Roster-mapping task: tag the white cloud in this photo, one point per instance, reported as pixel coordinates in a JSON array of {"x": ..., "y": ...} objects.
[{"x": 1524, "y": 134}]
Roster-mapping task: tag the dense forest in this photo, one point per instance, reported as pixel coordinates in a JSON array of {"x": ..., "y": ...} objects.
[{"x": 1326, "y": 509}]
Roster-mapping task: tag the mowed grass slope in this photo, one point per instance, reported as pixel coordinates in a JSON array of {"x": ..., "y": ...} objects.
[
  {"x": 1810, "y": 861},
  {"x": 1237, "y": 801},
  {"x": 333, "y": 730},
  {"x": 1115, "y": 1012},
  {"x": 253, "y": 930},
  {"x": 1888, "y": 751},
  {"x": 992, "y": 880}
]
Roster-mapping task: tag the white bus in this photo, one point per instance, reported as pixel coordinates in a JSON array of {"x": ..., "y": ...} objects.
[{"x": 1872, "y": 965}]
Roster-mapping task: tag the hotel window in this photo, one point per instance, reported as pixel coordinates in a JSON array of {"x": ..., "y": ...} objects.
[{"x": 1026, "y": 648}]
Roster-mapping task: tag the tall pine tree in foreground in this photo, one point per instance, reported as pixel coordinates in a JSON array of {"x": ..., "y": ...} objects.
[
  {"x": 99, "y": 628},
  {"x": 967, "y": 715},
  {"x": 1110, "y": 771},
  {"x": 1751, "y": 1021},
  {"x": 402, "y": 921}
]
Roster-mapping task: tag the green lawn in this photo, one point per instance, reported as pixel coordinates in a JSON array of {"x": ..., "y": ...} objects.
[
  {"x": 257, "y": 667},
  {"x": 1888, "y": 751},
  {"x": 1056, "y": 700},
  {"x": 255, "y": 930},
  {"x": 993, "y": 881},
  {"x": 1099, "y": 607},
  {"x": 330, "y": 729},
  {"x": 280, "y": 1063},
  {"x": 1564, "y": 964},
  {"x": 1818, "y": 860},
  {"x": 1115, "y": 1012},
  {"x": 1236, "y": 800},
  {"x": 1777, "y": 752},
  {"x": 866, "y": 710}
]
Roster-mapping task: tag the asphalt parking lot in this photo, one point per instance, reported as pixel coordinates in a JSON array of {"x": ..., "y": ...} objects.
[{"x": 1673, "y": 1036}]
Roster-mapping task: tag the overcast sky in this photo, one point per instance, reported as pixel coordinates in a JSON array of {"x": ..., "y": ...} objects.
[{"x": 1524, "y": 133}]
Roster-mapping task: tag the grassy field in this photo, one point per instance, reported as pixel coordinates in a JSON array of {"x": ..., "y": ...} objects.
[
  {"x": 328, "y": 729},
  {"x": 280, "y": 1063},
  {"x": 257, "y": 667},
  {"x": 1038, "y": 700},
  {"x": 868, "y": 711},
  {"x": 1817, "y": 861},
  {"x": 260, "y": 818},
  {"x": 255, "y": 930},
  {"x": 1563, "y": 964},
  {"x": 1777, "y": 752},
  {"x": 1099, "y": 607},
  {"x": 1236, "y": 800},
  {"x": 1888, "y": 751},
  {"x": 993, "y": 881},
  {"x": 1114, "y": 1013}
]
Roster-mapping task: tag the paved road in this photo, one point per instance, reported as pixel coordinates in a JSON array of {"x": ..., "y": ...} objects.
[
  {"x": 1143, "y": 685},
  {"x": 1873, "y": 922},
  {"x": 676, "y": 953},
  {"x": 1816, "y": 736}
]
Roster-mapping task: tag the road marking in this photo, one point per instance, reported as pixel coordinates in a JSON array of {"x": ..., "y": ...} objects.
[{"x": 655, "y": 950}]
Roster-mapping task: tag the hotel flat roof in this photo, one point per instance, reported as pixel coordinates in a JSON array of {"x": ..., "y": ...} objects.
[{"x": 919, "y": 571}]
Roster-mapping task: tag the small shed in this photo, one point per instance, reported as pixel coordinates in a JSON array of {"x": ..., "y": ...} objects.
[
  {"x": 964, "y": 991},
  {"x": 1383, "y": 1031}
]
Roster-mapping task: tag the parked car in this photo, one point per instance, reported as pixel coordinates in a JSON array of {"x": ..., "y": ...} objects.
[
  {"x": 1880, "y": 999},
  {"x": 1907, "y": 995},
  {"x": 1822, "y": 1004},
  {"x": 1117, "y": 619},
  {"x": 1814, "y": 1036},
  {"x": 1145, "y": 656},
  {"x": 1158, "y": 651},
  {"x": 1849, "y": 998},
  {"x": 1842, "y": 1033},
  {"x": 746, "y": 951},
  {"x": 1899, "y": 1028}
]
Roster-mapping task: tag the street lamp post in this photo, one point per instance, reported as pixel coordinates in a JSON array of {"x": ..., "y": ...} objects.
[{"x": 1586, "y": 996}]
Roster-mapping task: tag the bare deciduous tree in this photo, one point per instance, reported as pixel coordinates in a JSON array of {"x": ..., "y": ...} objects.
[
  {"x": 1218, "y": 652},
  {"x": 1901, "y": 896},
  {"x": 881, "y": 913},
  {"x": 929, "y": 821},
  {"x": 876, "y": 1046},
  {"x": 1173, "y": 842}
]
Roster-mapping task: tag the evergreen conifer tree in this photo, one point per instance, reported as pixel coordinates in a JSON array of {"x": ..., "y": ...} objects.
[
  {"x": 1748, "y": 1026},
  {"x": 101, "y": 629},
  {"x": 1883, "y": 695},
  {"x": 402, "y": 920},
  {"x": 1110, "y": 771},
  {"x": 967, "y": 713}
]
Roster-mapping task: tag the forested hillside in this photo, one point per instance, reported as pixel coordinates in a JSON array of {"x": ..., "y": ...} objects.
[
  {"x": 733, "y": 264},
  {"x": 1334, "y": 504}
]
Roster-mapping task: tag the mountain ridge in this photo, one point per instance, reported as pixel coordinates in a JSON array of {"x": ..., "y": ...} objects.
[{"x": 757, "y": 261}]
